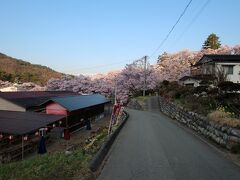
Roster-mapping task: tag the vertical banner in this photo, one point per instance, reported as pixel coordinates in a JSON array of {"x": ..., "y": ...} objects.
[
  {"x": 42, "y": 146},
  {"x": 66, "y": 134},
  {"x": 116, "y": 112},
  {"x": 121, "y": 108}
]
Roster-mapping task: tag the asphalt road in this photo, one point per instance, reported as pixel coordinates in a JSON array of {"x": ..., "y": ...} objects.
[{"x": 151, "y": 146}]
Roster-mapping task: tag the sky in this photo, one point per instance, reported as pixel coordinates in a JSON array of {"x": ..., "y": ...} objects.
[{"x": 97, "y": 36}]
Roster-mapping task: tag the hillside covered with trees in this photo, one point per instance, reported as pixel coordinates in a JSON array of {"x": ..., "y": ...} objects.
[{"x": 15, "y": 70}]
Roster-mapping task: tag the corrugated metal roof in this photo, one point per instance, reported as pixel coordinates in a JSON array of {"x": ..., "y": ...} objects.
[
  {"x": 30, "y": 102},
  {"x": 72, "y": 103},
  {"x": 34, "y": 94},
  {"x": 29, "y": 99},
  {"x": 20, "y": 123}
]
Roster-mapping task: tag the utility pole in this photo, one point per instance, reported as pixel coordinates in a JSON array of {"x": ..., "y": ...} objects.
[
  {"x": 145, "y": 75},
  {"x": 115, "y": 95},
  {"x": 22, "y": 148}
]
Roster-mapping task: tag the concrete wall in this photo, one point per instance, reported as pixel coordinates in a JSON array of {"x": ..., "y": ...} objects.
[
  {"x": 225, "y": 136},
  {"x": 9, "y": 106}
]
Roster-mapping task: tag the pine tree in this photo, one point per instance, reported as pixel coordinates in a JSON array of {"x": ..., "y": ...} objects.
[{"x": 212, "y": 42}]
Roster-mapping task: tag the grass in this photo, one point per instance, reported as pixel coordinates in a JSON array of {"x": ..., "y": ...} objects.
[
  {"x": 141, "y": 100},
  {"x": 55, "y": 166},
  {"x": 223, "y": 118}
]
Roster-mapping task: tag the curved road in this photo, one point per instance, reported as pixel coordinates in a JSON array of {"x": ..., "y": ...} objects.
[{"x": 151, "y": 146}]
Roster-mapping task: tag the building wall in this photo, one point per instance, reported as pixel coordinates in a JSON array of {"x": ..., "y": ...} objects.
[
  {"x": 9, "y": 106},
  {"x": 78, "y": 118},
  {"x": 235, "y": 77},
  {"x": 56, "y": 109}
]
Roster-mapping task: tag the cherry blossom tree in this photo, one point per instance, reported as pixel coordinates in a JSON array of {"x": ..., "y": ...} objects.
[
  {"x": 130, "y": 80},
  {"x": 173, "y": 66}
]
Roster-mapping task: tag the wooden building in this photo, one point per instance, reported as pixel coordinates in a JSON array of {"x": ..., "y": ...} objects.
[
  {"x": 77, "y": 109},
  {"x": 28, "y": 100},
  {"x": 19, "y": 132},
  {"x": 24, "y": 113}
]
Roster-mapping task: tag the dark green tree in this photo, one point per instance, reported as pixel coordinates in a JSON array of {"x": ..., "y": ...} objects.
[{"x": 212, "y": 42}]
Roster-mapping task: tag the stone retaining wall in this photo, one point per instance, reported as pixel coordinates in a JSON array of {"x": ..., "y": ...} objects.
[{"x": 225, "y": 136}]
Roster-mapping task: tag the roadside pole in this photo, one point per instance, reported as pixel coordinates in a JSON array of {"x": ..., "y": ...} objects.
[
  {"x": 22, "y": 147},
  {"x": 112, "y": 115},
  {"x": 145, "y": 76}
]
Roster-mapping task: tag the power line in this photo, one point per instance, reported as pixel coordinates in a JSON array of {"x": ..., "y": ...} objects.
[
  {"x": 164, "y": 40},
  {"x": 103, "y": 65},
  {"x": 99, "y": 66},
  {"x": 171, "y": 30},
  {"x": 193, "y": 20}
]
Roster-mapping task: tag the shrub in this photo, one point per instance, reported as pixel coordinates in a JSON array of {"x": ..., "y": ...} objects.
[
  {"x": 205, "y": 83},
  {"x": 223, "y": 118},
  {"x": 213, "y": 91},
  {"x": 165, "y": 82},
  {"x": 182, "y": 91},
  {"x": 174, "y": 85},
  {"x": 200, "y": 89},
  {"x": 229, "y": 86},
  {"x": 177, "y": 95}
]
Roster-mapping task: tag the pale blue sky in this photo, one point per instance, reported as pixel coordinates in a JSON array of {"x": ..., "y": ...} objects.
[{"x": 81, "y": 36}]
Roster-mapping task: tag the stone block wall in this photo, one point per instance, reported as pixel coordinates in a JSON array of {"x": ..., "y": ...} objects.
[{"x": 225, "y": 136}]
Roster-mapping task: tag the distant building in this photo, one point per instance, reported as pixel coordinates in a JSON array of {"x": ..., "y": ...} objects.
[
  {"x": 9, "y": 88},
  {"x": 6, "y": 86},
  {"x": 189, "y": 81},
  {"x": 195, "y": 81},
  {"x": 209, "y": 66}
]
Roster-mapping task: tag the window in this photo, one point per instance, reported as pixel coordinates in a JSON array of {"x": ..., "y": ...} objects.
[
  {"x": 228, "y": 69},
  {"x": 190, "y": 84}
]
